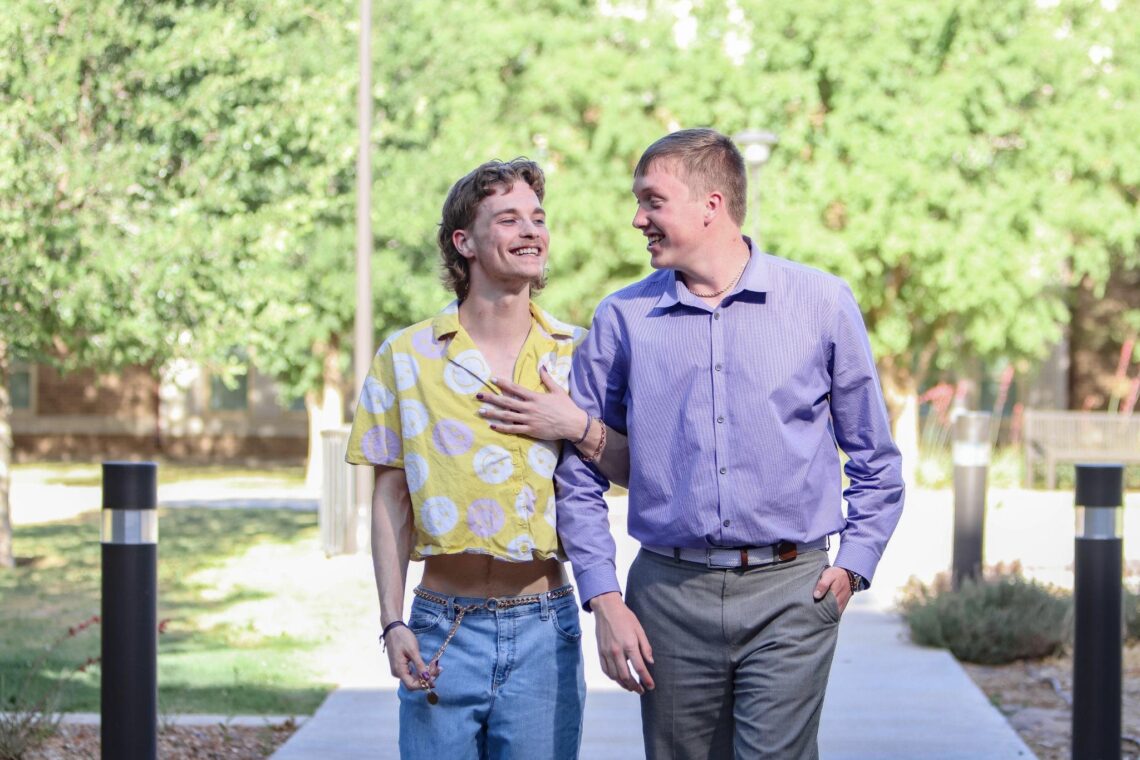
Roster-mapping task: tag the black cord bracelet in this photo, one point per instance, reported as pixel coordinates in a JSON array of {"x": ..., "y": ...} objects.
[
  {"x": 387, "y": 628},
  {"x": 585, "y": 432}
]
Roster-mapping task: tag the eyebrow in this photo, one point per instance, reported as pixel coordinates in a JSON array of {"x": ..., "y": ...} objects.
[{"x": 537, "y": 210}]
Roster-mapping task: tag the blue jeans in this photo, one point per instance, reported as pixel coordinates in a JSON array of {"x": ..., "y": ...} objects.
[{"x": 511, "y": 683}]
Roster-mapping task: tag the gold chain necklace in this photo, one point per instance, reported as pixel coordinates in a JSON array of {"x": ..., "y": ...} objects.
[{"x": 726, "y": 287}]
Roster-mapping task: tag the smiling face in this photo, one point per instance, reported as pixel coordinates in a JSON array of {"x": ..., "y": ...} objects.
[
  {"x": 506, "y": 245},
  {"x": 672, "y": 217}
]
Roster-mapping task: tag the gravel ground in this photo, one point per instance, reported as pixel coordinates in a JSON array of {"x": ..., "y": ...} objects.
[
  {"x": 217, "y": 742},
  {"x": 1036, "y": 699}
]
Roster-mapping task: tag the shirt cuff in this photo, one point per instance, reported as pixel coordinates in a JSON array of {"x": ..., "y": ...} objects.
[
  {"x": 595, "y": 581},
  {"x": 857, "y": 559}
]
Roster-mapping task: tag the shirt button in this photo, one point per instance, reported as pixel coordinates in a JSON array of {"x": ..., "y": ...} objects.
[
  {"x": 720, "y": 420},
  {"x": 723, "y": 470},
  {"x": 718, "y": 366},
  {"x": 726, "y": 523},
  {"x": 716, "y": 315}
]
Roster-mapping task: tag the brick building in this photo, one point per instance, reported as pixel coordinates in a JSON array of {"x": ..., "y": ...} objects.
[{"x": 184, "y": 413}]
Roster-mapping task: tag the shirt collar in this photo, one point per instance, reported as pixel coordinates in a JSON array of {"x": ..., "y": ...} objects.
[
  {"x": 446, "y": 323},
  {"x": 755, "y": 278}
]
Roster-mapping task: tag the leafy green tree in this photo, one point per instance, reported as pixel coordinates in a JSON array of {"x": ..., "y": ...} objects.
[
  {"x": 177, "y": 179},
  {"x": 959, "y": 163},
  {"x": 135, "y": 193}
]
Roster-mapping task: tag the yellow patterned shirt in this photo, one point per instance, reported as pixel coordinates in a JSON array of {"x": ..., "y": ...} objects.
[{"x": 473, "y": 489}]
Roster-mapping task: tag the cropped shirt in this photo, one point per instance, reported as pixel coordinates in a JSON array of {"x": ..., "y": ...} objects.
[{"x": 473, "y": 489}]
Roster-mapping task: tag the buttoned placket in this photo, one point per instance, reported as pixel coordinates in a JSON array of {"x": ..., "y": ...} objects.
[
  {"x": 720, "y": 415},
  {"x": 529, "y": 352}
]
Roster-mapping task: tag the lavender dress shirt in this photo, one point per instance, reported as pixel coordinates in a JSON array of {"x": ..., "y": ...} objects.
[{"x": 733, "y": 416}]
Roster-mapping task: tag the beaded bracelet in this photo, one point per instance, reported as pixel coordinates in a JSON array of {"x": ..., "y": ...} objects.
[
  {"x": 601, "y": 445},
  {"x": 586, "y": 432}
]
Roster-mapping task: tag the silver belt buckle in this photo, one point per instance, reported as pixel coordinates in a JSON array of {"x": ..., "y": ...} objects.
[{"x": 710, "y": 554}]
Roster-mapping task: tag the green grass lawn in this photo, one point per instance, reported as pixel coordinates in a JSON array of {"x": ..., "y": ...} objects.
[{"x": 210, "y": 661}]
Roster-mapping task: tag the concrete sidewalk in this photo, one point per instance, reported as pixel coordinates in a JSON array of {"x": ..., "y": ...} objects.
[{"x": 887, "y": 699}]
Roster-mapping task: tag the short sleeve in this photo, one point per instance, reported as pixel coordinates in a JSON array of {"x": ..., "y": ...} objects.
[{"x": 377, "y": 435}]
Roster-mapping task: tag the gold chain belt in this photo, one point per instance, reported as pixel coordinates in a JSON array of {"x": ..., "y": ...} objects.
[
  {"x": 491, "y": 603},
  {"x": 500, "y": 602}
]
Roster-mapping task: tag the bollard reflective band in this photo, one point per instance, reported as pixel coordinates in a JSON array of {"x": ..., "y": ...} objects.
[
  {"x": 1100, "y": 522},
  {"x": 130, "y": 526},
  {"x": 969, "y": 454}
]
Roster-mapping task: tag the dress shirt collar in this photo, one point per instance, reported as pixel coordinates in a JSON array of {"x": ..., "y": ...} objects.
[{"x": 755, "y": 279}]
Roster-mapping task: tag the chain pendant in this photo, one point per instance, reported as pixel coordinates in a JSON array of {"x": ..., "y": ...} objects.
[{"x": 432, "y": 697}]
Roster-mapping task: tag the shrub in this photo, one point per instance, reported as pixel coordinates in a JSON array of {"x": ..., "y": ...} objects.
[
  {"x": 1131, "y": 606},
  {"x": 28, "y": 718},
  {"x": 993, "y": 621}
]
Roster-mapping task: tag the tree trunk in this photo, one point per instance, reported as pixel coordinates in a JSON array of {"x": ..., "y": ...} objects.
[
  {"x": 325, "y": 410},
  {"x": 7, "y": 557},
  {"x": 900, "y": 391}
]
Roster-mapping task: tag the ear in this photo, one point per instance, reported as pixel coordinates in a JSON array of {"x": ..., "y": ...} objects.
[
  {"x": 463, "y": 243},
  {"x": 714, "y": 206}
]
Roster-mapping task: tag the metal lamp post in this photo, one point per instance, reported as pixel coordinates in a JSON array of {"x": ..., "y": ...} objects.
[
  {"x": 757, "y": 147},
  {"x": 362, "y": 332}
]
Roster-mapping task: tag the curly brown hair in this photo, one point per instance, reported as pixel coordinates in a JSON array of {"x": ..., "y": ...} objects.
[{"x": 462, "y": 204}]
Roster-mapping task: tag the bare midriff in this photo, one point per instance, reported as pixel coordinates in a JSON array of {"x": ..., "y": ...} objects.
[{"x": 479, "y": 575}]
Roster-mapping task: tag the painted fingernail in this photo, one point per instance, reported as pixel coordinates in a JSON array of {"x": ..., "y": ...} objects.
[
  {"x": 479, "y": 396},
  {"x": 425, "y": 675}
]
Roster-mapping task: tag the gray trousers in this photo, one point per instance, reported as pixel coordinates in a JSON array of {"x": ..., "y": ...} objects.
[{"x": 741, "y": 657}]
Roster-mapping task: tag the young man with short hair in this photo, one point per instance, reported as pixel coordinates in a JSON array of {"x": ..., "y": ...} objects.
[{"x": 735, "y": 374}]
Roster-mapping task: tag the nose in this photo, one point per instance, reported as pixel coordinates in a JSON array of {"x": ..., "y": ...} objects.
[
  {"x": 528, "y": 228},
  {"x": 640, "y": 220}
]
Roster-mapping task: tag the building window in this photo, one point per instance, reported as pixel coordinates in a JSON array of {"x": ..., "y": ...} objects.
[
  {"x": 229, "y": 398},
  {"x": 20, "y": 386},
  {"x": 232, "y": 396}
]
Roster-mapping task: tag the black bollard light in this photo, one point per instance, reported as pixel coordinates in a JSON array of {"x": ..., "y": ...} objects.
[
  {"x": 1098, "y": 608},
  {"x": 129, "y": 689},
  {"x": 971, "y": 463}
]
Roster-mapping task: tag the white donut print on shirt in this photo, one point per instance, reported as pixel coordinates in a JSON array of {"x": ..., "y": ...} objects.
[
  {"x": 439, "y": 515},
  {"x": 493, "y": 464},
  {"x": 551, "y": 513},
  {"x": 542, "y": 458},
  {"x": 524, "y": 502},
  {"x": 521, "y": 547},
  {"x": 561, "y": 371},
  {"x": 376, "y": 398},
  {"x": 466, "y": 372},
  {"x": 407, "y": 371},
  {"x": 415, "y": 471},
  {"x": 413, "y": 417}
]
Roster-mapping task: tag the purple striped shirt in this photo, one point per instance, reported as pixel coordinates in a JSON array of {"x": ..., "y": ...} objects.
[{"x": 733, "y": 416}]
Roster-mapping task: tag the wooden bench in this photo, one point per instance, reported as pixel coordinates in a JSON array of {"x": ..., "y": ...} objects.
[{"x": 1078, "y": 437}]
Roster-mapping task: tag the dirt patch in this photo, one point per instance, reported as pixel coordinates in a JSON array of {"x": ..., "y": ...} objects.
[
  {"x": 216, "y": 742},
  {"x": 1036, "y": 699}
]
